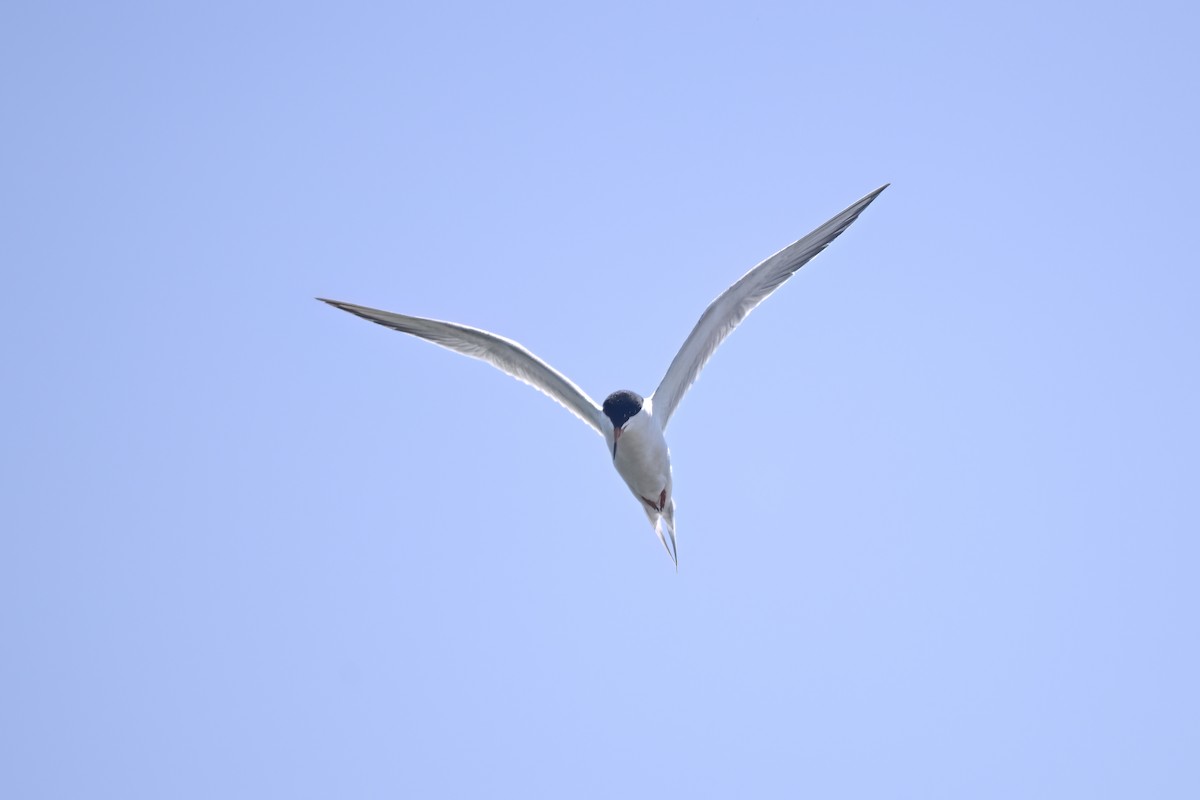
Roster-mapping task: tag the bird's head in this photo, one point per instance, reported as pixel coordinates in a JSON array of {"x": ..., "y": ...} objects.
[{"x": 620, "y": 406}]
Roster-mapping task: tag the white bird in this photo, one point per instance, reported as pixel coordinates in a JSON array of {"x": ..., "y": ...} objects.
[{"x": 633, "y": 426}]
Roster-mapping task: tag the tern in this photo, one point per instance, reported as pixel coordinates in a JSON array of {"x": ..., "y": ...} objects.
[{"x": 633, "y": 426}]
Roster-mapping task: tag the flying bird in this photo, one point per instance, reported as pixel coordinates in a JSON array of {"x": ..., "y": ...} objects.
[{"x": 633, "y": 426}]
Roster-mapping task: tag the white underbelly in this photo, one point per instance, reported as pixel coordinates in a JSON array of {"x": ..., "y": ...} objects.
[{"x": 644, "y": 462}]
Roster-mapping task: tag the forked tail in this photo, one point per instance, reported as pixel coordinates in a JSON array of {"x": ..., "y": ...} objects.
[{"x": 667, "y": 520}]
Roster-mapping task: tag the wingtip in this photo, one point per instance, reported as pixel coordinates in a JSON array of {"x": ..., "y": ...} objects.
[
  {"x": 860, "y": 205},
  {"x": 338, "y": 304}
]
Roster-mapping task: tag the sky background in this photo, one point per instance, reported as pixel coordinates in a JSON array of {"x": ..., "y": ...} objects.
[{"x": 938, "y": 524}]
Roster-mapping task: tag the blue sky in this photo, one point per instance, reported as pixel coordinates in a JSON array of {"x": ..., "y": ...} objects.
[{"x": 937, "y": 497}]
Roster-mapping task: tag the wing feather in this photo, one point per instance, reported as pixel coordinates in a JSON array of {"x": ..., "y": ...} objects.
[
  {"x": 735, "y": 303},
  {"x": 504, "y": 354}
]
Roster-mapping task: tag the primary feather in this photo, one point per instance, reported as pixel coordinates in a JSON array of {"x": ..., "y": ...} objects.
[
  {"x": 736, "y": 302},
  {"x": 504, "y": 354}
]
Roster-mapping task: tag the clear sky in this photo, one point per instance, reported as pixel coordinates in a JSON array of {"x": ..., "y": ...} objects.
[{"x": 938, "y": 526}]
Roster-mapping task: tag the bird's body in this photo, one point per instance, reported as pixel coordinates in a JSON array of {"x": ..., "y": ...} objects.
[
  {"x": 643, "y": 461},
  {"x": 633, "y": 427}
]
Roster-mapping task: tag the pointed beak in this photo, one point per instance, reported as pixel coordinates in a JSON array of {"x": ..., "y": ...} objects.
[{"x": 616, "y": 438}]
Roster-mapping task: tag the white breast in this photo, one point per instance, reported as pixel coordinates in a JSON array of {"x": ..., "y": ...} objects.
[{"x": 643, "y": 459}]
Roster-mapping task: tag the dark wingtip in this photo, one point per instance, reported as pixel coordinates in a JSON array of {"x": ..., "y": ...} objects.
[
  {"x": 861, "y": 204},
  {"x": 338, "y": 304}
]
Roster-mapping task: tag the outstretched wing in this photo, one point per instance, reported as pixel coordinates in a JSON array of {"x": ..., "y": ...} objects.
[
  {"x": 724, "y": 313},
  {"x": 504, "y": 354}
]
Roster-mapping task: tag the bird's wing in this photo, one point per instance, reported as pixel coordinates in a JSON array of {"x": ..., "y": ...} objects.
[
  {"x": 504, "y": 354},
  {"x": 724, "y": 313}
]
